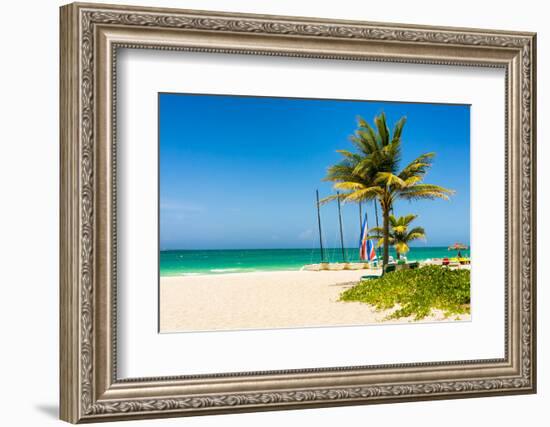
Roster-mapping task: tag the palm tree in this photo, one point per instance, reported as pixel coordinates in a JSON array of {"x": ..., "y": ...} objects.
[
  {"x": 399, "y": 235},
  {"x": 372, "y": 172}
]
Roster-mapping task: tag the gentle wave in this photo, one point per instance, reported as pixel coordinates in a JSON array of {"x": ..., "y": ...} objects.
[{"x": 227, "y": 270}]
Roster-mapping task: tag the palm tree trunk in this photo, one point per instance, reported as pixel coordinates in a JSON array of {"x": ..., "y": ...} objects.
[{"x": 386, "y": 225}]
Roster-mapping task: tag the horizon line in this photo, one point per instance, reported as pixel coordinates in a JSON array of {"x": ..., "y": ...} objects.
[{"x": 284, "y": 249}]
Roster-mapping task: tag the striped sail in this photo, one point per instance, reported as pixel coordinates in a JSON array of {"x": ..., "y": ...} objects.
[{"x": 366, "y": 246}]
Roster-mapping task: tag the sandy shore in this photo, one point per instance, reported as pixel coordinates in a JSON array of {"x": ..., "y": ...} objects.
[{"x": 262, "y": 300}]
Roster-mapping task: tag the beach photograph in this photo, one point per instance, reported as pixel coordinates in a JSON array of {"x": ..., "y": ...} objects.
[{"x": 279, "y": 212}]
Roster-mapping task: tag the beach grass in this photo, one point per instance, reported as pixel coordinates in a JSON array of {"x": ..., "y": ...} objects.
[{"x": 415, "y": 292}]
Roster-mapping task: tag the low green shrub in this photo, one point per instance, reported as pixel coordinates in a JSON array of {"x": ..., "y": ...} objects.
[{"x": 416, "y": 291}]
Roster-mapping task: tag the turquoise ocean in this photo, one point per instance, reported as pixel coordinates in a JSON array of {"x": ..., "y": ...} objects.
[{"x": 218, "y": 261}]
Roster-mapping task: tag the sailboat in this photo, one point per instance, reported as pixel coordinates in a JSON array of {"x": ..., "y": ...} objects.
[{"x": 367, "y": 250}]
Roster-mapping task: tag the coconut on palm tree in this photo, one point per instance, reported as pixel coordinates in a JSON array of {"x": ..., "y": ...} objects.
[
  {"x": 399, "y": 235},
  {"x": 372, "y": 172}
]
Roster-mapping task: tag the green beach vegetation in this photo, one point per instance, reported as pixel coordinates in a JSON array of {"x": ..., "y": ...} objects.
[
  {"x": 373, "y": 172},
  {"x": 399, "y": 235},
  {"x": 416, "y": 292}
]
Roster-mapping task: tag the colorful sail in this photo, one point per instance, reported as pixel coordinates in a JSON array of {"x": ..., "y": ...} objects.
[{"x": 366, "y": 246}]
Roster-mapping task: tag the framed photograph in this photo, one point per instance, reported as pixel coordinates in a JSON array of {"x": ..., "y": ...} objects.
[{"x": 265, "y": 212}]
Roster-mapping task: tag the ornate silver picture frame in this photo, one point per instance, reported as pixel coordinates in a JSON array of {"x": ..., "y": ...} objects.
[{"x": 91, "y": 391}]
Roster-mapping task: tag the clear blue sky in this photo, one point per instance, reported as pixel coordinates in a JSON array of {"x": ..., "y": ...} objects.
[{"x": 241, "y": 172}]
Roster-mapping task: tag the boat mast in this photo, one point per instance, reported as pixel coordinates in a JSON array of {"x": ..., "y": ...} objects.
[
  {"x": 341, "y": 232},
  {"x": 320, "y": 232},
  {"x": 376, "y": 213},
  {"x": 360, "y": 220}
]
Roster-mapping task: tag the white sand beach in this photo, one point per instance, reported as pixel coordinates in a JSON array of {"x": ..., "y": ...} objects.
[{"x": 261, "y": 300}]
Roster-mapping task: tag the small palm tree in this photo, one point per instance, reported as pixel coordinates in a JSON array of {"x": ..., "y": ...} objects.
[
  {"x": 399, "y": 234},
  {"x": 372, "y": 173}
]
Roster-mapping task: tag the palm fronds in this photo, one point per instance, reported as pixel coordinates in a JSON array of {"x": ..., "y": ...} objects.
[
  {"x": 373, "y": 173},
  {"x": 399, "y": 235}
]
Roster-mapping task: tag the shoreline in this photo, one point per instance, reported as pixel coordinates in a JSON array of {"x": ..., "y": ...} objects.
[
  {"x": 235, "y": 271},
  {"x": 227, "y": 273},
  {"x": 262, "y": 272}
]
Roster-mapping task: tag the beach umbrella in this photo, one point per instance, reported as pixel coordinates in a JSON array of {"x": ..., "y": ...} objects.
[{"x": 458, "y": 247}]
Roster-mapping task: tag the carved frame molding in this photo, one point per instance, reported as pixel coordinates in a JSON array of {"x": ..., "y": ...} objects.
[{"x": 90, "y": 37}]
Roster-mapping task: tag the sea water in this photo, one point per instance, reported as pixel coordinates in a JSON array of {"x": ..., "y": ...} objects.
[{"x": 218, "y": 261}]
